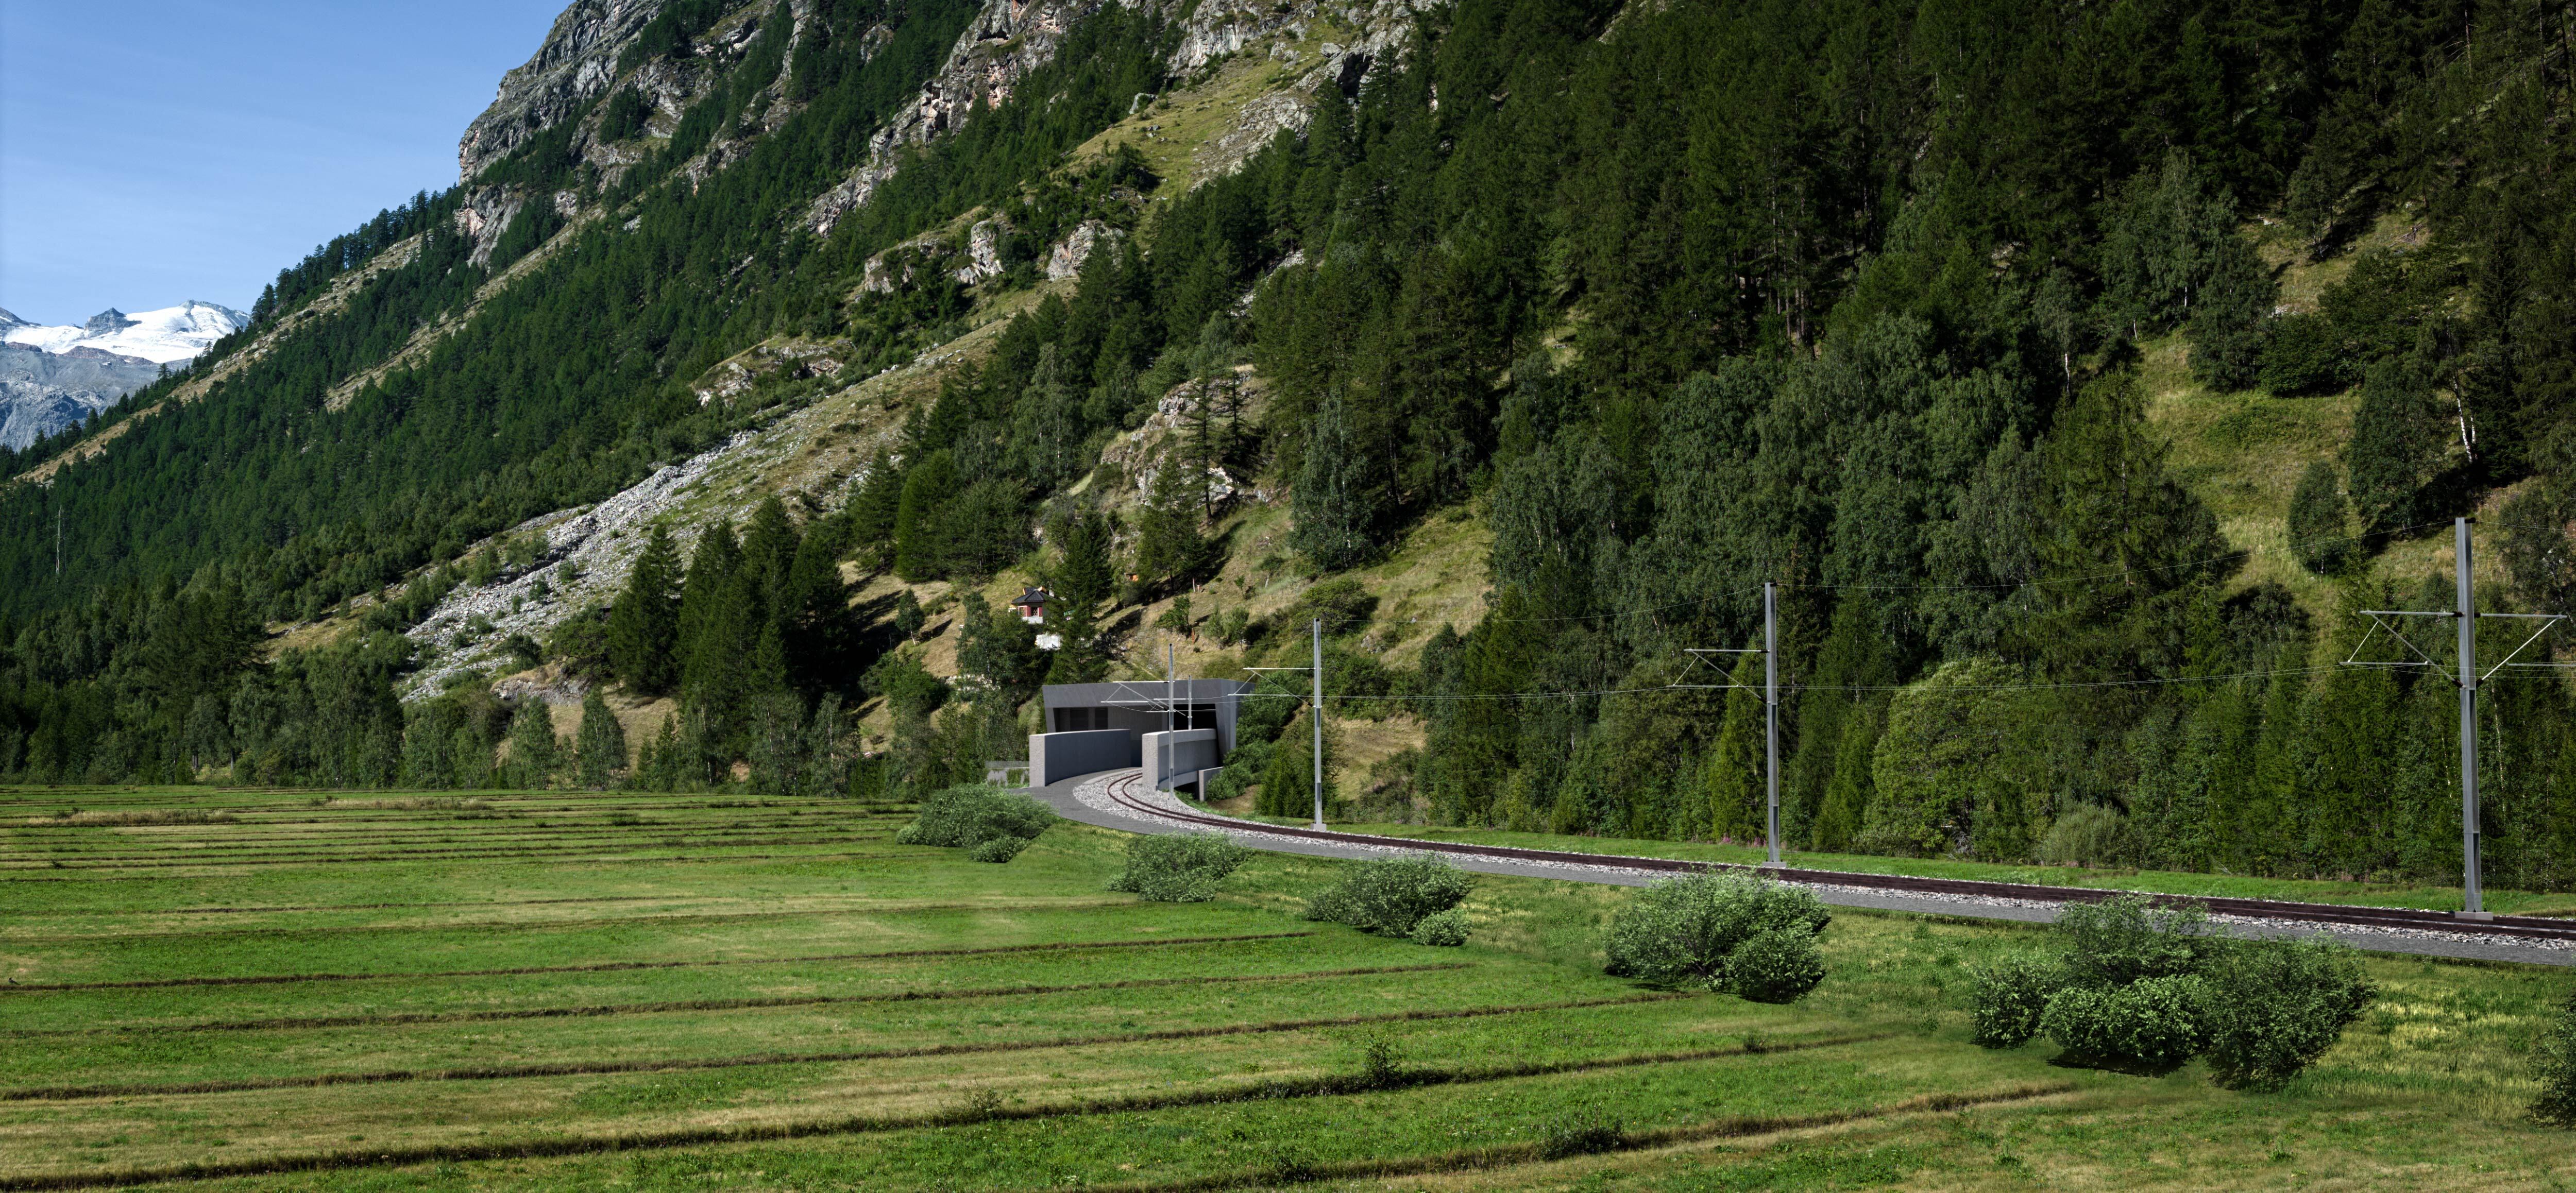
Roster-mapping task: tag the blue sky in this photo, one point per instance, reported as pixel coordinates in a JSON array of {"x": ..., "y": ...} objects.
[{"x": 157, "y": 152}]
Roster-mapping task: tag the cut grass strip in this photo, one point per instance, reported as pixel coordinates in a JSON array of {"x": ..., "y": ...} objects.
[
  {"x": 601, "y": 1010},
  {"x": 1270, "y": 1089},
  {"x": 283, "y": 907},
  {"x": 1510, "y": 1155},
  {"x": 328, "y": 857},
  {"x": 552, "y": 925},
  {"x": 623, "y": 966},
  {"x": 73, "y": 843},
  {"x": 602, "y": 860},
  {"x": 70, "y": 1093}
]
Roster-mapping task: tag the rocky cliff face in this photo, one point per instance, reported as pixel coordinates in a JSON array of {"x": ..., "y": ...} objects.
[
  {"x": 577, "y": 61},
  {"x": 42, "y": 392},
  {"x": 1006, "y": 41}
]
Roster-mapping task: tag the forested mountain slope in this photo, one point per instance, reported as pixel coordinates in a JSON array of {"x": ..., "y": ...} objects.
[{"x": 756, "y": 329}]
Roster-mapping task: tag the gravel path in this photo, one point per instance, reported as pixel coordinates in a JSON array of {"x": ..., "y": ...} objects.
[{"x": 1086, "y": 799}]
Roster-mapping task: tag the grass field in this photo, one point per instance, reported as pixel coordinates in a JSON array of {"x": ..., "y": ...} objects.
[{"x": 566, "y": 991}]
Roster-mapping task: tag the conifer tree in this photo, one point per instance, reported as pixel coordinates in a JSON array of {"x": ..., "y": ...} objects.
[
  {"x": 1849, "y": 793},
  {"x": 534, "y": 755},
  {"x": 1168, "y": 543},
  {"x": 644, "y": 624},
  {"x": 920, "y": 540},
  {"x": 471, "y": 754},
  {"x": 1731, "y": 777},
  {"x": 875, "y": 498},
  {"x": 2230, "y": 323},
  {"x": 2393, "y": 445},
  {"x": 2319, "y": 530},
  {"x": 601, "y": 747},
  {"x": 1335, "y": 502},
  {"x": 710, "y": 580}
]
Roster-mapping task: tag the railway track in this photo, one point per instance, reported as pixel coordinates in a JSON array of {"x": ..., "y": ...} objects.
[{"x": 2501, "y": 928}]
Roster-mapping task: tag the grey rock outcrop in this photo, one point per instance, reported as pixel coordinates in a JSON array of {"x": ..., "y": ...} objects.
[
  {"x": 983, "y": 252},
  {"x": 577, "y": 61},
  {"x": 1066, "y": 258},
  {"x": 1006, "y": 41},
  {"x": 42, "y": 392}
]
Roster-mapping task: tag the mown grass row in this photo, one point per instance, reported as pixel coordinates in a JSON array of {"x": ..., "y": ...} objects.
[{"x": 1269, "y": 1089}]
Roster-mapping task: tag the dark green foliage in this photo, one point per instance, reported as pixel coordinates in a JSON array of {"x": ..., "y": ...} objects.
[
  {"x": 1390, "y": 897},
  {"x": 997, "y": 849},
  {"x": 600, "y": 750},
  {"x": 2092, "y": 835},
  {"x": 2306, "y": 355},
  {"x": 2009, "y": 996},
  {"x": 2231, "y": 324},
  {"x": 624, "y": 116},
  {"x": 1169, "y": 545},
  {"x": 1695, "y": 930},
  {"x": 971, "y": 815},
  {"x": 1443, "y": 929},
  {"x": 2320, "y": 525},
  {"x": 2269, "y": 1009},
  {"x": 2152, "y": 1024},
  {"x": 1776, "y": 965},
  {"x": 1336, "y": 495},
  {"x": 907, "y": 686},
  {"x": 2555, "y": 1063},
  {"x": 2395, "y": 446},
  {"x": 1178, "y": 868},
  {"x": 2127, "y": 938},
  {"x": 535, "y": 755}
]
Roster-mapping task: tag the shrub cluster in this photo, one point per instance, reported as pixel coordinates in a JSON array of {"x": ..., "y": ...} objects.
[
  {"x": 1180, "y": 868},
  {"x": 2143, "y": 988},
  {"x": 990, "y": 824},
  {"x": 1414, "y": 896},
  {"x": 1725, "y": 932}
]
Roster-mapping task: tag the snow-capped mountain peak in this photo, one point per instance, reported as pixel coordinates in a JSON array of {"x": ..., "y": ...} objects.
[{"x": 166, "y": 336}]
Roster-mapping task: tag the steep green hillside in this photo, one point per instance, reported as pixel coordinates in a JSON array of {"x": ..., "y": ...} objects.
[{"x": 2076, "y": 373}]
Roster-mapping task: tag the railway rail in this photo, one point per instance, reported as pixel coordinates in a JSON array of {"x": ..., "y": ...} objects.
[{"x": 2500, "y": 928}]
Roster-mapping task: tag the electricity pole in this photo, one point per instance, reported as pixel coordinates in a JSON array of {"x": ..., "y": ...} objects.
[
  {"x": 1770, "y": 652},
  {"x": 2472, "y": 898},
  {"x": 1771, "y": 714},
  {"x": 1316, "y": 711},
  {"x": 2464, "y": 675},
  {"x": 1319, "y": 722},
  {"x": 1171, "y": 654}
]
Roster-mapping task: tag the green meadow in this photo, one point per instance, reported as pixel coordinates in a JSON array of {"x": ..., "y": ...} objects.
[{"x": 540, "y": 991}]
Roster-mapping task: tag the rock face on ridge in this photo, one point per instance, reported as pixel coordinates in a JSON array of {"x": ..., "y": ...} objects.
[
  {"x": 577, "y": 61},
  {"x": 1006, "y": 41}
]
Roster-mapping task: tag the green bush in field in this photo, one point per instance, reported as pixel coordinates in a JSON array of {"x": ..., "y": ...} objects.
[
  {"x": 2557, "y": 1100},
  {"x": 2147, "y": 988},
  {"x": 1390, "y": 897},
  {"x": 2271, "y": 1008},
  {"x": 2127, "y": 937},
  {"x": 1690, "y": 931},
  {"x": 2010, "y": 994},
  {"x": 1179, "y": 868},
  {"x": 2152, "y": 1023},
  {"x": 998, "y": 849},
  {"x": 1776, "y": 965},
  {"x": 1442, "y": 929},
  {"x": 991, "y": 823}
]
